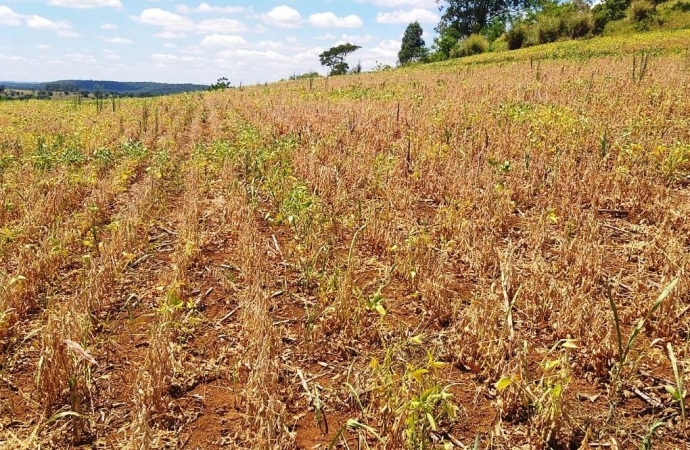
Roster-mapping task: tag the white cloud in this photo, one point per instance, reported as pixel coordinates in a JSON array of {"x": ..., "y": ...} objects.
[
  {"x": 41, "y": 23},
  {"x": 205, "y": 8},
  {"x": 108, "y": 26},
  {"x": 223, "y": 40},
  {"x": 169, "y": 45},
  {"x": 385, "y": 52},
  {"x": 400, "y": 16},
  {"x": 387, "y": 47},
  {"x": 192, "y": 50},
  {"x": 355, "y": 39},
  {"x": 326, "y": 37},
  {"x": 425, "y": 4},
  {"x": 86, "y": 4},
  {"x": 43, "y": 47},
  {"x": 166, "y": 57},
  {"x": 79, "y": 57},
  {"x": 109, "y": 54},
  {"x": 12, "y": 58},
  {"x": 330, "y": 20},
  {"x": 118, "y": 40},
  {"x": 283, "y": 16},
  {"x": 170, "y": 35},
  {"x": 9, "y": 17},
  {"x": 222, "y": 25},
  {"x": 174, "y": 22},
  {"x": 271, "y": 45},
  {"x": 161, "y": 18},
  {"x": 249, "y": 55}
]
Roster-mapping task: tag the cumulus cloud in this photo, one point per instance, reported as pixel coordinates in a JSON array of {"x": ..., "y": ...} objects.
[
  {"x": 41, "y": 23},
  {"x": 170, "y": 57},
  {"x": 356, "y": 39},
  {"x": 385, "y": 52},
  {"x": 166, "y": 19},
  {"x": 283, "y": 16},
  {"x": 425, "y": 4},
  {"x": 223, "y": 40},
  {"x": 109, "y": 54},
  {"x": 251, "y": 55},
  {"x": 118, "y": 40},
  {"x": 271, "y": 45},
  {"x": 330, "y": 20},
  {"x": 12, "y": 58},
  {"x": 400, "y": 16},
  {"x": 205, "y": 8},
  {"x": 108, "y": 26},
  {"x": 9, "y": 17},
  {"x": 222, "y": 25},
  {"x": 326, "y": 37},
  {"x": 172, "y": 22},
  {"x": 43, "y": 47},
  {"x": 170, "y": 35},
  {"x": 192, "y": 50},
  {"x": 78, "y": 57},
  {"x": 86, "y": 4},
  {"x": 164, "y": 57}
]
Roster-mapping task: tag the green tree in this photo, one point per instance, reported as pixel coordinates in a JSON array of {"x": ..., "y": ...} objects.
[
  {"x": 334, "y": 58},
  {"x": 608, "y": 11},
  {"x": 444, "y": 43},
  {"x": 413, "y": 46},
  {"x": 467, "y": 17},
  {"x": 220, "y": 85}
]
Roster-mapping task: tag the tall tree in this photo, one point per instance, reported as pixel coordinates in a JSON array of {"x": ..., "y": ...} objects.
[
  {"x": 473, "y": 16},
  {"x": 413, "y": 46},
  {"x": 334, "y": 58}
]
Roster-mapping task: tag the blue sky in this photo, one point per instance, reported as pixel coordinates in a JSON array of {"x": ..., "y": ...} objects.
[{"x": 197, "y": 41}]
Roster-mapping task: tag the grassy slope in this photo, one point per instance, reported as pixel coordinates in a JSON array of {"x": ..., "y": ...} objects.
[{"x": 657, "y": 42}]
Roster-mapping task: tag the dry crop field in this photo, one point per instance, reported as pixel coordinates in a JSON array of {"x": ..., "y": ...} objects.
[{"x": 469, "y": 255}]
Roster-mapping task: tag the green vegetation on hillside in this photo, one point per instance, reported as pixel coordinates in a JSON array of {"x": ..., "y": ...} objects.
[{"x": 469, "y": 27}]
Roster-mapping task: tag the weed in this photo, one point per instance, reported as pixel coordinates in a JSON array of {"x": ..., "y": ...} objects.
[
  {"x": 640, "y": 66},
  {"x": 623, "y": 351},
  {"x": 677, "y": 391}
]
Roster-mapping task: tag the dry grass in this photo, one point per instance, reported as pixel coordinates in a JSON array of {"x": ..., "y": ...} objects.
[{"x": 413, "y": 259}]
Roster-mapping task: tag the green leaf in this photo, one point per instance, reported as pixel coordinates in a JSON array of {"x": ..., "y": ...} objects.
[
  {"x": 418, "y": 339},
  {"x": 418, "y": 374},
  {"x": 432, "y": 422},
  {"x": 550, "y": 365},
  {"x": 673, "y": 391},
  {"x": 552, "y": 216},
  {"x": 503, "y": 383}
]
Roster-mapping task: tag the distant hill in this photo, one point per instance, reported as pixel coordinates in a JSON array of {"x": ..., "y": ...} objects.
[{"x": 110, "y": 87}]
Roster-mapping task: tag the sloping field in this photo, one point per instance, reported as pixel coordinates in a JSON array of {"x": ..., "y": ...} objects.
[{"x": 480, "y": 254}]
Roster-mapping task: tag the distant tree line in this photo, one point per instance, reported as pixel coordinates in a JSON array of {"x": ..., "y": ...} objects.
[
  {"x": 61, "y": 87},
  {"x": 88, "y": 88},
  {"x": 11, "y": 94}
]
